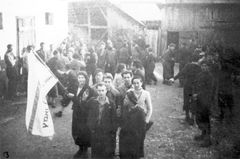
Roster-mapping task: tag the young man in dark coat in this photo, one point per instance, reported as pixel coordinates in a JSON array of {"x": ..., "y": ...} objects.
[
  {"x": 184, "y": 57},
  {"x": 111, "y": 58},
  {"x": 11, "y": 71},
  {"x": 41, "y": 52},
  {"x": 91, "y": 59},
  {"x": 112, "y": 93},
  {"x": 101, "y": 56},
  {"x": 189, "y": 73},
  {"x": 102, "y": 124},
  {"x": 3, "y": 83},
  {"x": 150, "y": 66},
  {"x": 203, "y": 96},
  {"x": 168, "y": 63},
  {"x": 123, "y": 54},
  {"x": 225, "y": 85},
  {"x": 127, "y": 77}
]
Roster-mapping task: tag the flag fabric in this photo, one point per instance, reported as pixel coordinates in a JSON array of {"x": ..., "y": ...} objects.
[{"x": 40, "y": 81}]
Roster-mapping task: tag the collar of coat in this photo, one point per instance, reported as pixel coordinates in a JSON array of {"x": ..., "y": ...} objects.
[{"x": 106, "y": 100}]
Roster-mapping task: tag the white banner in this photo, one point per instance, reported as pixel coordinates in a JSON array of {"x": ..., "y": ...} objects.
[{"x": 40, "y": 81}]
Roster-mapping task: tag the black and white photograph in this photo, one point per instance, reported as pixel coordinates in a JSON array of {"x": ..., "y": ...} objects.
[{"x": 119, "y": 79}]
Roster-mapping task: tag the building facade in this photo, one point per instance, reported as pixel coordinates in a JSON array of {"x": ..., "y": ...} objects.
[
  {"x": 200, "y": 20},
  {"x": 29, "y": 22},
  {"x": 95, "y": 21}
]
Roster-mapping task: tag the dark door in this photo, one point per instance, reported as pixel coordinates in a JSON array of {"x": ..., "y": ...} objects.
[{"x": 173, "y": 37}]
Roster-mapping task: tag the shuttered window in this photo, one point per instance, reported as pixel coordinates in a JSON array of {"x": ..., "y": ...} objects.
[{"x": 48, "y": 18}]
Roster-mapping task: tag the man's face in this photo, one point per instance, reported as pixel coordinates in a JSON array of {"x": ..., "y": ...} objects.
[
  {"x": 102, "y": 90},
  {"x": 108, "y": 82},
  {"x": 99, "y": 77},
  {"x": 127, "y": 79}
]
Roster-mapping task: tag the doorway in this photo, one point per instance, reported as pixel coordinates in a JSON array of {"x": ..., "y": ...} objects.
[{"x": 25, "y": 33}]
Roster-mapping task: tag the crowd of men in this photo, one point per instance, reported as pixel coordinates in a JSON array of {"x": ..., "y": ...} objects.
[
  {"x": 77, "y": 55},
  {"x": 207, "y": 75},
  {"x": 107, "y": 88}
]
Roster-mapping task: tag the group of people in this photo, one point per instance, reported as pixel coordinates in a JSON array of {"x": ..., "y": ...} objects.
[
  {"x": 106, "y": 89},
  {"x": 103, "y": 113},
  {"x": 207, "y": 75},
  {"x": 109, "y": 102},
  {"x": 14, "y": 72}
]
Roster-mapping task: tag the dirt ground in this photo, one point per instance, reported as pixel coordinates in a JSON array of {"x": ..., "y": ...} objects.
[{"x": 169, "y": 138}]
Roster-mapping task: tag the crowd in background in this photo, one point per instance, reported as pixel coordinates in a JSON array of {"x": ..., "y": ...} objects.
[{"x": 208, "y": 75}]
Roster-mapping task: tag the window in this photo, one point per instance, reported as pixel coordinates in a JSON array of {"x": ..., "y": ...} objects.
[
  {"x": 48, "y": 18},
  {"x": 1, "y": 21}
]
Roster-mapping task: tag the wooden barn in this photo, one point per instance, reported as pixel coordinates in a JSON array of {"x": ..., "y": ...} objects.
[
  {"x": 201, "y": 20},
  {"x": 94, "y": 21}
]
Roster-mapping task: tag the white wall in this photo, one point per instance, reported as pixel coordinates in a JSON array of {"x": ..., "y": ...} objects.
[{"x": 50, "y": 34}]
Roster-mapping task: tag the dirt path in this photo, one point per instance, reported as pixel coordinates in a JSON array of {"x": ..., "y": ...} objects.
[{"x": 169, "y": 138}]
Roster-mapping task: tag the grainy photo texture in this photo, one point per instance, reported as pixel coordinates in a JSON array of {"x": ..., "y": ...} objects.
[{"x": 119, "y": 79}]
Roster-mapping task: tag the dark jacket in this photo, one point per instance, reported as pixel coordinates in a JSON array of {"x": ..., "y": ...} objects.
[
  {"x": 132, "y": 132},
  {"x": 102, "y": 127},
  {"x": 189, "y": 73},
  {"x": 80, "y": 131},
  {"x": 150, "y": 64},
  {"x": 204, "y": 90}
]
